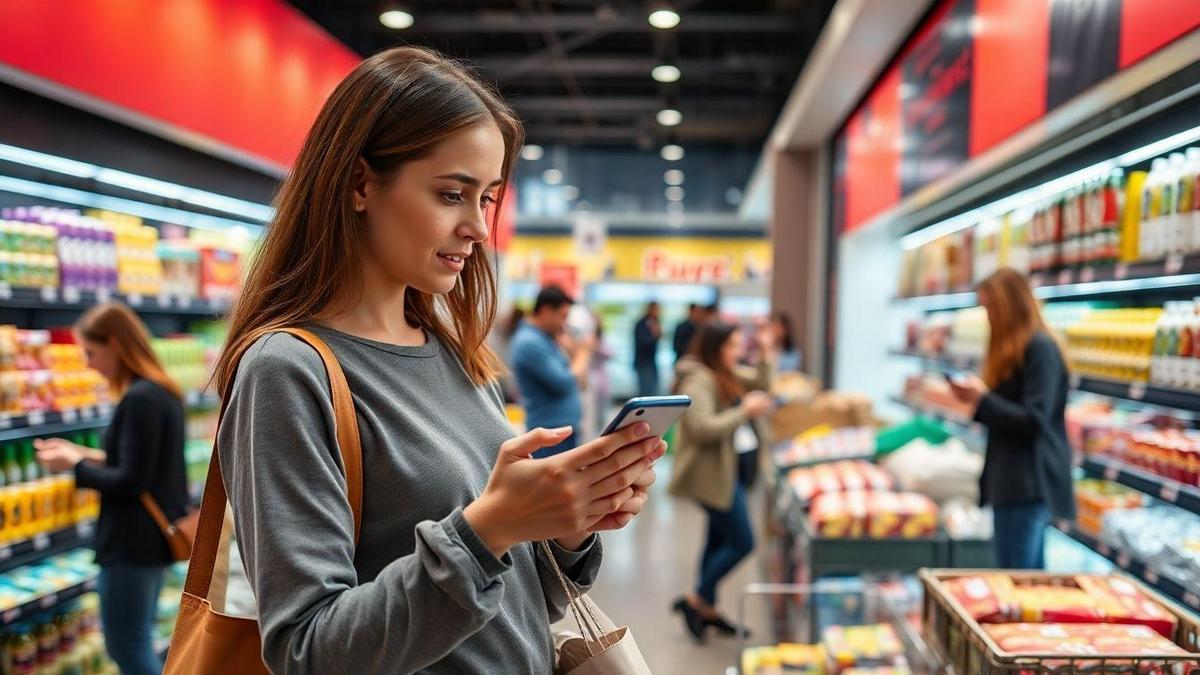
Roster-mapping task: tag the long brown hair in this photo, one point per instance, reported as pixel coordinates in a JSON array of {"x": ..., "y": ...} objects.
[
  {"x": 1015, "y": 318},
  {"x": 116, "y": 326},
  {"x": 706, "y": 348},
  {"x": 396, "y": 106}
]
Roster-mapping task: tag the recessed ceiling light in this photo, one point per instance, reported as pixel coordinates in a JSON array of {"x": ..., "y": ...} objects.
[
  {"x": 665, "y": 73},
  {"x": 672, "y": 152},
  {"x": 532, "y": 152},
  {"x": 552, "y": 176},
  {"x": 669, "y": 117},
  {"x": 397, "y": 19},
  {"x": 570, "y": 193},
  {"x": 663, "y": 18},
  {"x": 673, "y": 177},
  {"x": 674, "y": 193}
]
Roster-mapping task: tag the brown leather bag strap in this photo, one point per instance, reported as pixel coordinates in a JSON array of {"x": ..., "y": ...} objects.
[
  {"x": 212, "y": 507},
  {"x": 156, "y": 513}
]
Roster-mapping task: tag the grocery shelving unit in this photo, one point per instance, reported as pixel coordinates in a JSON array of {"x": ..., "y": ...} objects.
[
  {"x": 47, "y": 601},
  {"x": 1164, "y": 489},
  {"x": 27, "y": 551},
  {"x": 51, "y": 298}
]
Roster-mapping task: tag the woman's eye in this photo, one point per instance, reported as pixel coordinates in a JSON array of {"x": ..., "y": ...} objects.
[
  {"x": 452, "y": 197},
  {"x": 487, "y": 200}
]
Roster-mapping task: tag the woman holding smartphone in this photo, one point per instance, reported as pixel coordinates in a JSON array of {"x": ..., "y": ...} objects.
[
  {"x": 378, "y": 247},
  {"x": 715, "y": 455},
  {"x": 1021, "y": 400}
]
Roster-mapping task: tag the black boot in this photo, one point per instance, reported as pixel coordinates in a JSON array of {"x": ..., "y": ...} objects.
[
  {"x": 725, "y": 628},
  {"x": 691, "y": 619}
]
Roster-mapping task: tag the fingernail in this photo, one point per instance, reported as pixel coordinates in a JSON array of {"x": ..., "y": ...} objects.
[
  {"x": 641, "y": 429},
  {"x": 561, "y": 430}
]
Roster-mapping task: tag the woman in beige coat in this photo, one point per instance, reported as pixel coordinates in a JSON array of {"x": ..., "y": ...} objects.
[{"x": 715, "y": 455}]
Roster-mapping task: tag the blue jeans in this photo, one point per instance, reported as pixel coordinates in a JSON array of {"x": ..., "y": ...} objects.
[
  {"x": 128, "y": 608},
  {"x": 1020, "y": 535},
  {"x": 568, "y": 444},
  {"x": 647, "y": 379},
  {"x": 730, "y": 540}
]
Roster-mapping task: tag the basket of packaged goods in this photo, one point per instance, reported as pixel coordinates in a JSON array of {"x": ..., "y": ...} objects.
[
  {"x": 823, "y": 444},
  {"x": 849, "y": 532},
  {"x": 857, "y": 632},
  {"x": 1034, "y": 623}
]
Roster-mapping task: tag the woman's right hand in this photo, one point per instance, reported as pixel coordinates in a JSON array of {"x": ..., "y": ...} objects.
[
  {"x": 529, "y": 499},
  {"x": 757, "y": 404}
]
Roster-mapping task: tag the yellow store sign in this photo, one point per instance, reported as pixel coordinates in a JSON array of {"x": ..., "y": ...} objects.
[{"x": 666, "y": 259}]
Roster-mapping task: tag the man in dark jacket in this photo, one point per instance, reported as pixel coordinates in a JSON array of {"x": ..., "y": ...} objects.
[{"x": 645, "y": 351}]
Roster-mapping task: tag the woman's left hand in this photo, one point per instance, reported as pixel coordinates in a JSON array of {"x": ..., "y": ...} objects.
[
  {"x": 58, "y": 455},
  {"x": 968, "y": 389}
]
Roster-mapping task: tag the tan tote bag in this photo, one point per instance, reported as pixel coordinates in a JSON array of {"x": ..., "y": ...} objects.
[
  {"x": 600, "y": 647},
  {"x": 207, "y": 642}
]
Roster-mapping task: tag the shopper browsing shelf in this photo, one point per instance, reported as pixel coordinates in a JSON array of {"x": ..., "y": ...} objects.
[
  {"x": 378, "y": 248},
  {"x": 143, "y": 453},
  {"x": 790, "y": 358},
  {"x": 681, "y": 341},
  {"x": 1021, "y": 399},
  {"x": 551, "y": 368},
  {"x": 716, "y": 455},
  {"x": 646, "y": 334}
]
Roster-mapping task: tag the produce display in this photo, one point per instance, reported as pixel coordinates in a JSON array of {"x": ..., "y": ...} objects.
[
  {"x": 43, "y": 371},
  {"x": 808, "y": 483},
  {"x": 876, "y": 515},
  {"x": 1108, "y": 219},
  {"x": 844, "y": 650},
  {"x": 825, "y": 443},
  {"x": 1165, "y": 538},
  {"x": 67, "y": 641},
  {"x": 1095, "y": 498}
]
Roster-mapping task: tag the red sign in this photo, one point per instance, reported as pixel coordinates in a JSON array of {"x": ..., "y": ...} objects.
[
  {"x": 661, "y": 265},
  {"x": 564, "y": 276}
]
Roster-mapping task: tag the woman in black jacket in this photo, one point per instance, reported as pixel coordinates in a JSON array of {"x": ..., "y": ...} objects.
[
  {"x": 143, "y": 452},
  {"x": 1021, "y": 399}
]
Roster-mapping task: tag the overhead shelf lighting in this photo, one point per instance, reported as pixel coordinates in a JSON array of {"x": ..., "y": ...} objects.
[
  {"x": 666, "y": 73},
  {"x": 673, "y": 177},
  {"x": 664, "y": 19},
  {"x": 1033, "y": 196},
  {"x": 674, "y": 193},
  {"x": 672, "y": 152},
  {"x": 396, "y": 19},
  {"x": 552, "y": 176},
  {"x": 669, "y": 117},
  {"x": 570, "y": 193},
  {"x": 532, "y": 152}
]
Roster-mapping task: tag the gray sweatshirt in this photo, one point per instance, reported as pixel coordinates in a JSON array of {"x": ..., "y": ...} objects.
[{"x": 421, "y": 592}]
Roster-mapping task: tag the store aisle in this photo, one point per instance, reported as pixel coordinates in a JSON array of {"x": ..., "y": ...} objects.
[{"x": 648, "y": 565}]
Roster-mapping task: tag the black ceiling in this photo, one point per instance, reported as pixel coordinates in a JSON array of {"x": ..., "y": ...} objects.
[{"x": 578, "y": 71}]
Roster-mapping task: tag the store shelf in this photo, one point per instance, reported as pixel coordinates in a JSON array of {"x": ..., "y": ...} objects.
[
  {"x": 963, "y": 424},
  {"x": 1140, "y": 392},
  {"x": 939, "y": 362},
  {"x": 21, "y": 553},
  {"x": 18, "y": 427},
  {"x": 1165, "y": 489},
  {"x": 1126, "y": 561},
  {"x": 1178, "y": 273},
  {"x": 70, "y": 299},
  {"x": 43, "y": 603}
]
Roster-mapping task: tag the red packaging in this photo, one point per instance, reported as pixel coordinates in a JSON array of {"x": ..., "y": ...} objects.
[
  {"x": 989, "y": 598},
  {"x": 1057, "y": 604},
  {"x": 1122, "y": 602}
]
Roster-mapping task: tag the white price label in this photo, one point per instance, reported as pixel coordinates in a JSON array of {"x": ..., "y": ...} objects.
[
  {"x": 1103, "y": 550},
  {"x": 1174, "y": 264},
  {"x": 5, "y": 421},
  {"x": 1111, "y": 472},
  {"x": 87, "y": 413},
  {"x": 90, "y": 584},
  {"x": 5, "y": 552},
  {"x": 1169, "y": 492},
  {"x": 193, "y": 398},
  {"x": 41, "y": 542},
  {"x": 1065, "y": 277},
  {"x": 36, "y": 418},
  {"x": 1076, "y": 380},
  {"x": 164, "y": 300},
  {"x": 72, "y": 295},
  {"x": 1191, "y": 599},
  {"x": 103, "y": 295},
  {"x": 1137, "y": 390},
  {"x": 216, "y": 304},
  {"x": 1063, "y": 524},
  {"x": 183, "y": 301},
  {"x": 85, "y": 529},
  {"x": 1123, "y": 560},
  {"x": 134, "y": 299},
  {"x": 5, "y": 292},
  {"x": 49, "y": 294},
  {"x": 70, "y": 416},
  {"x": 1088, "y": 275},
  {"x": 1151, "y": 577},
  {"x": 104, "y": 409},
  {"x": 48, "y": 601}
]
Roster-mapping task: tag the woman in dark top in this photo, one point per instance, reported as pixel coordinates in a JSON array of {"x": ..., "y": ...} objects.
[
  {"x": 1021, "y": 400},
  {"x": 143, "y": 452}
]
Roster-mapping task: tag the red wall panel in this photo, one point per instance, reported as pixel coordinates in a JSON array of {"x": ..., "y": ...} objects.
[
  {"x": 1012, "y": 46},
  {"x": 873, "y": 150},
  {"x": 1147, "y": 25},
  {"x": 249, "y": 74}
]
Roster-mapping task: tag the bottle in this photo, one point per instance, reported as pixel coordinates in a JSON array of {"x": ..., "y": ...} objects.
[
  {"x": 12, "y": 466},
  {"x": 22, "y": 651},
  {"x": 47, "y": 637},
  {"x": 1189, "y": 196},
  {"x": 30, "y": 470},
  {"x": 1159, "y": 354},
  {"x": 1178, "y": 235},
  {"x": 1182, "y": 373},
  {"x": 1113, "y": 197},
  {"x": 1150, "y": 242}
]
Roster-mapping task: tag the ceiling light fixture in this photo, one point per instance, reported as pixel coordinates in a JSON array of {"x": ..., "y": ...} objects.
[
  {"x": 669, "y": 117},
  {"x": 674, "y": 193},
  {"x": 552, "y": 176},
  {"x": 570, "y": 193},
  {"x": 673, "y": 177},
  {"x": 532, "y": 152},
  {"x": 396, "y": 19},
  {"x": 664, "y": 18},
  {"x": 666, "y": 73},
  {"x": 672, "y": 152}
]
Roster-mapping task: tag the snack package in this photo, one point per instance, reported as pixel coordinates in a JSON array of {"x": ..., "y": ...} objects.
[
  {"x": 789, "y": 658},
  {"x": 1057, "y": 604},
  {"x": 839, "y": 514},
  {"x": 1122, "y": 602},
  {"x": 875, "y": 645},
  {"x": 989, "y": 598}
]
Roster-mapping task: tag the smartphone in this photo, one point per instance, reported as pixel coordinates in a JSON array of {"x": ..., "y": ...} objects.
[
  {"x": 660, "y": 412},
  {"x": 957, "y": 377}
]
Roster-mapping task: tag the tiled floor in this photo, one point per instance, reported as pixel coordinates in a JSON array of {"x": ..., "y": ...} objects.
[{"x": 648, "y": 565}]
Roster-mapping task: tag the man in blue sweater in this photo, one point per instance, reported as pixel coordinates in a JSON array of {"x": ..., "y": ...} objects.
[{"x": 550, "y": 368}]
